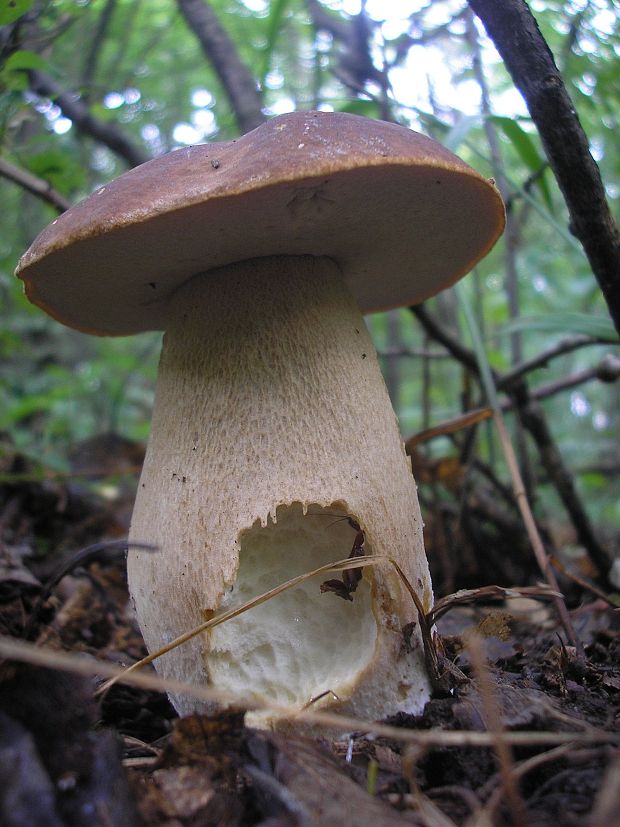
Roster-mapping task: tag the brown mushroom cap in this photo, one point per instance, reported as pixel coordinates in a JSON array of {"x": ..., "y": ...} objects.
[{"x": 401, "y": 215}]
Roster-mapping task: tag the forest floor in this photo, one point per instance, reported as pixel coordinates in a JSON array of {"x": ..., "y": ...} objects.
[{"x": 527, "y": 735}]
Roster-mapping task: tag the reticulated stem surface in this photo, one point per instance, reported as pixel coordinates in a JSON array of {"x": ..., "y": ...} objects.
[{"x": 270, "y": 394}]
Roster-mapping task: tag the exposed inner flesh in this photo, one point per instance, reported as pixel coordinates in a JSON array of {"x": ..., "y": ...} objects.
[{"x": 302, "y": 642}]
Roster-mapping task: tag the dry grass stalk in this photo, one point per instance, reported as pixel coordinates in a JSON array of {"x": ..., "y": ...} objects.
[
  {"x": 329, "y": 568},
  {"x": 518, "y": 810},
  {"x": 434, "y": 662},
  {"x": 532, "y": 531},
  {"x": 16, "y": 650}
]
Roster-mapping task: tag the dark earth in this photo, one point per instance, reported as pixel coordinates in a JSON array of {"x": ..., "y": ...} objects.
[{"x": 69, "y": 757}]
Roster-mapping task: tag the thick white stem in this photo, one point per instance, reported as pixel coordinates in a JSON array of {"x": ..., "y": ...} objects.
[{"x": 270, "y": 404}]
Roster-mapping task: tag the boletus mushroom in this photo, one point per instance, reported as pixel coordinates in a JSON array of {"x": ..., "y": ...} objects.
[{"x": 274, "y": 448}]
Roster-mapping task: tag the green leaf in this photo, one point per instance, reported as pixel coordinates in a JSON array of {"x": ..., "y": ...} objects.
[
  {"x": 59, "y": 167},
  {"x": 14, "y": 70},
  {"x": 23, "y": 59},
  {"x": 521, "y": 141},
  {"x": 598, "y": 327},
  {"x": 460, "y": 131},
  {"x": 11, "y": 10},
  {"x": 367, "y": 108},
  {"x": 527, "y": 151}
]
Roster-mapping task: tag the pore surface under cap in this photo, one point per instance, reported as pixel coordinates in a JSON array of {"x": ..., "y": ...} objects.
[{"x": 400, "y": 215}]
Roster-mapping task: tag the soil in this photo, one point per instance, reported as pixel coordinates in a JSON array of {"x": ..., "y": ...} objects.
[{"x": 69, "y": 757}]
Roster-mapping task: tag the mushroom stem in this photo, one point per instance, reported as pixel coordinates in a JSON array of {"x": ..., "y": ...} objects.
[{"x": 270, "y": 414}]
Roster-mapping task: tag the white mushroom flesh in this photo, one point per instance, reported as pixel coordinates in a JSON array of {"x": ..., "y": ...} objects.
[{"x": 300, "y": 643}]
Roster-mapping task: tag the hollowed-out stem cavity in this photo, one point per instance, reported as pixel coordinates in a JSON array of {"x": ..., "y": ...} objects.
[{"x": 271, "y": 421}]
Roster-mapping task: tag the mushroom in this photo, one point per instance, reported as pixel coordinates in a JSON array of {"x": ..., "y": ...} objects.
[{"x": 274, "y": 448}]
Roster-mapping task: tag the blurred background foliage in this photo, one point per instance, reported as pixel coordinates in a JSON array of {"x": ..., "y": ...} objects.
[{"x": 138, "y": 67}]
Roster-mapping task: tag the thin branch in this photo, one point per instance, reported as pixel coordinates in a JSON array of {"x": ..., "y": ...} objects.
[
  {"x": 92, "y": 58},
  {"x": 420, "y": 34},
  {"x": 411, "y": 353},
  {"x": 516, "y": 478},
  {"x": 511, "y": 235},
  {"x": 607, "y": 370},
  {"x": 79, "y": 664},
  {"x": 514, "y": 31},
  {"x": 355, "y": 61},
  {"x": 114, "y": 64},
  {"x": 37, "y": 186},
  {"x": 237, "y": 80},
  {"x": 493, "y": 715},
  {"x": 532, "y": 418},
  {"x": 75, "y": 109},
  {"x": 441, "y": 335},
  {"x": 542, "y": 359}
]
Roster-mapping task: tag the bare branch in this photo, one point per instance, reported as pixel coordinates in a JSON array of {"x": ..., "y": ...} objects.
[
  {"x": 76, "y": 110},
  {"x": 513, "y": 29},
  {"x": 450, "y": 342},
  {"x": 92, "y": 57},
  {"x": 221, "y": 52},
  {"x": 504, "y": 381},
  {"x": 511, "y": 234},
  {"x": 532, "y": 417},
  {"x": 534, "y": 420},
  {"x": 354, "y": 65},
  {"x": 607, "y": 370},
  {"x": 37, "y": 186},
  {"x": 543, "y": 359},
  {"x": 355, "y": 62}
]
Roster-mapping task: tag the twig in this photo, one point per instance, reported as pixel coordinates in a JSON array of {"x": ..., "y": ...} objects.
[
  {"x": 533, "y": 533},
  {"x": 37, "y": 186},
  {"x": 511, "y": 234},
  {"x": 584, "y": 584},
  {"x": 484, "y": 816},
  {"x": 516, "y": 478},
  {"x": 493, "y": 715},
  {"x": 92, "y": 57},
  {"x": 411, "y": 353},
  {"x": 544, "y": 357},
  {"x": 441, "y": 335},
  {"x": 607, "y": 370},
  {"x": 532, "y": 416},
  {"x": 515, "y": 33},
  {"x": 75, "y": 109},
  {"x": 354, "y": 66},
  {"x": 237, "y": 80},
  {"x": 534, "y": 421},
  {"x": 466, "y": 596},
  {"x": 104, "y": 549},
  {"x": 11, "y": 649},
  {"x": 607, "y": 802}
]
